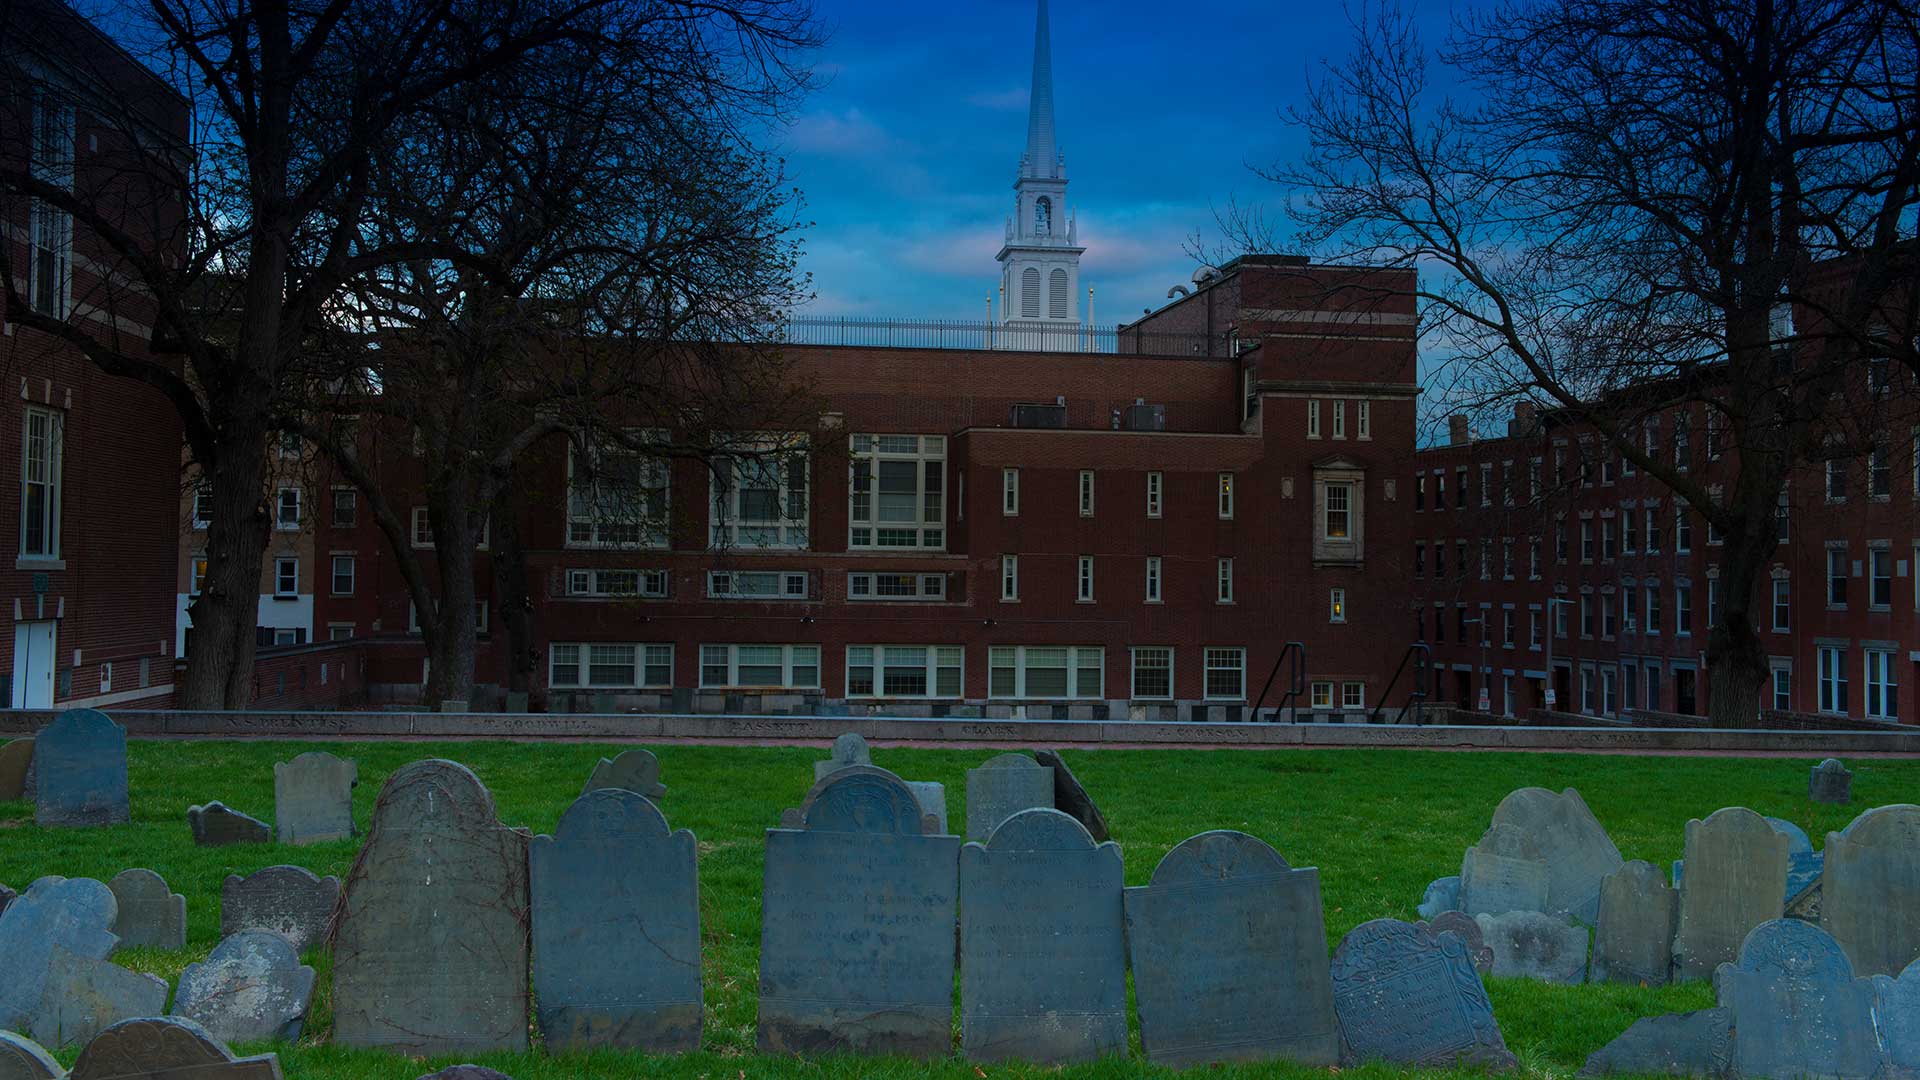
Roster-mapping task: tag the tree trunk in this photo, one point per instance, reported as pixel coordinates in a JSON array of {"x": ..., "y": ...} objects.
[
  {"x": 1736, "y": 660},
  {"x": 1736, "y": 673},
  {"x": 452, "y": 645},
  {"x": 510, "y": 587},
  {"x": 226, "y": 613}
]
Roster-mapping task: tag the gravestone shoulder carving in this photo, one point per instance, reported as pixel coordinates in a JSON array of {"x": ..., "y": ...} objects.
[
  {"x": 166, "y": 1048},
  {"x": 313, "y": 798},
  {"x": 865, "y": 799},
  {"x": 1071, "y": 796},
  {"x": 85, "y": 995},
  {"x": 217, "y": 825},
  {"x": 1633, "y": 942},
  {"x": 251, "y": 987},
  {"x": 1736, "y": 879},
  {"x": 1870, "y": 889},
  {"x": 1578, "y": 852},
  {"x": 1798, "y": 1010},
  {"x": 1407, "y": 996},
  {"x": 616, "y": 928},
  {"x": 637, "y": 771},
  {"x": 147, "y": 912},
  {"x": 80, "y": 771},
  {"x": 848, "y": 749},
  {"x": 1003, "y": 787},
  {"x": 290, "y": 901},
  {"x": 72, "y": 914},
  {"x": 1698, "y": 1044},
  {"x": 23, "y": 1059},
  {"x": 16, "y": 757},
  {"x": 1467, "y": 929},
  {"x": 1535, "y": 945}
]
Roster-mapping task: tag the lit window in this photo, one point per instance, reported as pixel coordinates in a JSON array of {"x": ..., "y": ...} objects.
[
  {"x": 1337, "y": 606},
  {"x": 1226, "y": 496},
  {"x": 1323, "y": 695},
  {"x": 196, "y": 573},
  {"x": 1338, "y": 521},
  {"x": 897, "y": 495}
]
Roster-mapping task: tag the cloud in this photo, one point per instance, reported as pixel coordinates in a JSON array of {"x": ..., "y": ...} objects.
[
  {"x": 848, "y": 133},
  {"x": 1012, "y": 99}
]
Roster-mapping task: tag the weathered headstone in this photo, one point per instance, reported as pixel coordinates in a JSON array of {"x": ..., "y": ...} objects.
[
  {"x": 857, "y": 923},
  {"x": 1003, "y": 787},
  {"x": 616, "y": 928},
  {"x": 217, "y": 825},
  {"x": 313, "y": 798},
  {"x": 1870, "y": 893},
  {"x": 1229, "y": 954},
  {"x": 1408, "y": 996},
  {"x": 848, "y": 749},
  {"x": 1071, "y": 798},
  {"x": 933, "y": 801},
  {"x": 430, "y": 955},
  {"x": 1830, "y": 782},
  {"x": 84, "y": 996},
  {"x": 286, "y": 900},
  {"x": 251, "y": 987},
  {"x": 74, "y": 914},
  {"x": 1578, "y": 852},
  {"x": 80, "y": 770},
  {"x": 637, "y": 771},
  {"x": 147, "y": 912},
  {"x": 16, "y": 757},
  {"x": 23, "y": 1059},
  {"x": 1633, "y": 942},
  {"x": 1043, "y": 970},
  {"x": 1897, "y": 1007},
  {"x": 1443, "y": 894},
  {"x": 1804, "y": 867},
  {"x": 1736, "y": 879},
  {"x": 166, "y": 1048},
  {"x": 1679, "y": 1044},
  {"x": 1535, "y": 945},
  {"x": 1504, "y": 872},
  {"x": 1467, "y": 929},
  {"x": 1798, "y": 1011}
]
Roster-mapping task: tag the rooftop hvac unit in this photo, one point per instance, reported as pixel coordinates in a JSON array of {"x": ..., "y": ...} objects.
[
  {"x": 1145, "y": 418},
  {"x": 1040, "y": 416}
]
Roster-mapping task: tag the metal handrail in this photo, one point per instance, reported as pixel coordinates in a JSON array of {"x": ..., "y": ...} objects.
[
  {"x": 1296, "y": 682},
  {"x": 1422, "y": 658}
]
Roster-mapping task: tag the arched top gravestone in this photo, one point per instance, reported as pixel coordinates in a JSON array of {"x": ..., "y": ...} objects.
[
  {"x": 80, "y": 770},
  {"x": 848, "y": 749},
  {"x": 1897, "y": 1004},
  {"x": 16, "y": 757},
  {"x": 637, "y": 771},
  {"x": 1041, "y": 829},
  {"x": 1001, "y": 788},
  {"x": 147, "y": 912},
  {"x": 73, "y": 914},
  {"x": 1830, "y": 782},
  {"x": 23, "y": 1059},
  {"x": 1870, "y": 889},
  {"x": 1570, "y": 840},
  {"x": 861, "y": 799},
  {"x": 1217, "y": 855},
  {"x": 250, "y": 988},
  {"x": 167, "y": 1046},
  {"x": 1408, "y": 996},
  {"x": 1798, "y": 1010},
  {"x": 1736, "y": 879}
]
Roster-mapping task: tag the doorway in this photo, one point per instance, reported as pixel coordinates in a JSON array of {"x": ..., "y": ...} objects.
[{"x": 33, "y": 664}]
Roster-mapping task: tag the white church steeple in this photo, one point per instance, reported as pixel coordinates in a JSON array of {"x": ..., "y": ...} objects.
[{"x": 1040, "y": 261}]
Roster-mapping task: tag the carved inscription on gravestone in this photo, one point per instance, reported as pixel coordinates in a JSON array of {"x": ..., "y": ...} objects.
[
  {"x": 147, "y": 912},
  {"x": 1736, "y": 879},
  {"x": 1407, "y": 996},
  {"x": 166, "y": 1048},
  {"x": 1003, "y": 787},
  {"x": 1576, "y": 848},
  {"x": 285, "y": 900},
  {"x": 1870, "y": 894},
  {"x": 313, "y": 798},
  {"x": 1798, "y": 1010},
  {"x": 80, "y": 770},
  {"x": 1504, "y": 872}
]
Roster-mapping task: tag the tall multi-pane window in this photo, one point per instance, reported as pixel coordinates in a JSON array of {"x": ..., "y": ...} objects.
[
  {"x": 1883, "y": 684},
  {"x": 1880, "y": 473},
  {"x": 760, "y": 494},
  {"x": 1836, "y": 577},
  {"x": 1155, "y": 496},
  {"x": 1653, "y": 530},
  {"x": 50, "y": 229},
  {"x": 1153, "y": 579},
  {"x": 897, "y": 494},
  {"x": 1009, "y": 492},
  {"x": 1009, "y": 577},
  {"x": 1653, "y": 611},
  {"x": 1226, "y": 495},
  {"x": 896, "y": 671},
  {"x": 1337, "y": 606},
  {"x": 1084, "y": 575},
  {"x": 1363, "y": 416},
  {"x": 1880, "y": 577},
  {"x": 40, "y": 461},
  {"x": 1313, "y": 419},
  {"x": 1226, "y": 673},
  {"x": 1782, "y": 605},
  {"x": 1629, "y": 535},
  {"x": 1152, "y": 671},
  {"x": 286, "y": 514},
  {"x": 1486, "y": 484},
  {"x": 1223, "y": 577},
  {"x": 1783, "y": 687},
  {"x": 1683, "y": 609},
  {"x": 1049, "y": 671},
  {"x": 1337, "y": 523},
  {"x": 1419, "y": 491},
  {"x": 1682, "y": 530},
  {"x": 1833, "y": 679},
  {"x": 343, "y": 567},
  {"x": 1586, "y": 540},
  {"x": 1339, "y": 419},
  {"x": 1836, "y": 480},
  {"x": 1419, "y": 558},
  {"x": 617, "y": 496},
  {"x": 1086, "y": 492}
]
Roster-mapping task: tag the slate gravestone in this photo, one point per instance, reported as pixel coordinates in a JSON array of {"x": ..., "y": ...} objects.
[
  {"x": 1043, "y": 970},
  {"x": 1804, "y": 867},
  {"x": 1408, "y": 996},
  {"x": 848, "y": 749},
  {"x": 1897, "y": 1005},
  {"x": 1830, "y": 782},
  {"x": 251, "y": 987},
  {"x": 166, "y": 1048},
  {"x": 637, "y": 771},
  {"x": 1577, "y": 850},
  {"x": 84, "y": 996},
  {"x": 1534, "y": 945},
  {"x": 1679, "y": 1044},
  {"x": 147, "y": 912},
  {"x": 1633, "y": 942},
  {"x": 286, "y": 900},
  {"x": 74, "y": 914},
  {"x": 1870, "y": 893},
  {"x": 313, "y": 798},
  {"x": 1003, "y": 787},
  {"x": 217, "y": 825},
  {"x": 1504, "y": 872},
  {"x": 1443, "y": 894},
  {"x": 1798, "y": 1011},
  {"x": 933, "y": 801},
  {"x": 1467, "y": 929},
  {"x": 616, "y": 928},
  {"x": 1736, "y": 879},
  {"x": 16, "y": 757},
  {"x": 430, "y": 955},
  {"x": 857, "y": 923},
  {"x": 1071, "y": 798},
  {"x": 23, "y": 1059},
  {"x": 80, "y": 770},
  {"x": 1230, "y": 956}
]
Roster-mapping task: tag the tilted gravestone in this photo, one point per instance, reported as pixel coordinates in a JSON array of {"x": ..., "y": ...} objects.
[
  {"x": 1633, "y": 942},
  {"x": 1804, "y": 867},
  {"x": 1798, "y": 1011},
  {"x": 166, "y": 1048},
  {"x": 616, "y": 928},
  {"x": 637, "y": 771},
  {"x": 16, "y": 757},
  {"x": 74, "y": 914},
  {"x": 1897, "y": 1005},
  {"x": 857, "y": 923},
  {"x": 1229, "y": 956},
  {"x": 1467, "y": 929},
  {"x": 251, "y": 987},
  {"x": 1504, "y": 872},
  {"x": 1071, "y": 798},
  {"x": 1535, "y": 945},
  {"x": 23, "y": 1059},
  {"x": 1870, "y": 893},
  {"x": 1736, "y": 879},
  {"x": 218, "y": 825},
  {"x": 80, "y": 770},
  {"x": 84, "y": 996},
  {"x": 848, "y": 749},
  {"x": 1408, "y": 996},
  {"x": 1043, "y": 970},
  {"x": 1576, "y": 848},
  {"x": 290, "y": 901},
  {"x": 147, "y": 912},
  {"x": 1003, "y": 787},
  {"x": 1443, "y": 894},
  {"x": 1679, "y": 1044},
  {"x": 313, "y": 798},
  {"x": 430, "y": 954},
  {"x": 1830, "y": 782}
]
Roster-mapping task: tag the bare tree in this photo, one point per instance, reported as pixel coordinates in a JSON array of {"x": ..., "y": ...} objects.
[{"x": 1611, "y": 207}]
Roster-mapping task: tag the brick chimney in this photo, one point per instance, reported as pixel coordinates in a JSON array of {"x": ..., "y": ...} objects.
[
  {"x": 1457, "y": 432},
  {"x": 1525, "y": 418}
]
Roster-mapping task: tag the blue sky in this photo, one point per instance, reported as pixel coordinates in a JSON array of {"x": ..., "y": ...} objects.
[{"x": 907, "y": 153}]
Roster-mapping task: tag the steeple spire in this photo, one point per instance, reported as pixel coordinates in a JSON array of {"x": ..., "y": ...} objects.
[{"x": 1042, "y": 157}]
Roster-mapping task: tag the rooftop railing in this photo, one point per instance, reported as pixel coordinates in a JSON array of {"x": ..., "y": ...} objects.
[{"x": 983, "y": 336}]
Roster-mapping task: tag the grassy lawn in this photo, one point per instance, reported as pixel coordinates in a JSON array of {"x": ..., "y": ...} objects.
[{"x": 1378, "y": 823}]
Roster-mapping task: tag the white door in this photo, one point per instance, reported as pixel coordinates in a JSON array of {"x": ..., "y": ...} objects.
[{"x": 33, "y": 665}]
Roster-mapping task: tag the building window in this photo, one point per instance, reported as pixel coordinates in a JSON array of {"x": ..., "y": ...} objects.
[
  {"x": 1486, "y": 484},
  {"x": 1533, "y": 558},
  {"x": 196, "y": 573},
  {"x": 1533, "y": 479},
  {"x": 1607, "y": 624},
  {"x": 1226, "y": 673},
  {"x": 422, "y": 528},
  {"x": 1506, "y": 627},
  {"x": 1833, "y": 679},
  {"x": 1682, "y": 530},
  {"x": 1460, "y": 487},
  {"x": 1152, "y": 671},
  {"x": 1879, "y": 474},
  {"x": 757, "y": 584},
  {"x": 340, "y": 631},
  {"x": 343, "y": 575},
  {"x": 1337, "y": 522},
  {"x": 1486, "y": 560},
  {"x": 1009, "y": 577},
  {"x": 1880, "y": 578},
  {"x": 1337, "y": 605},
  {"x": 1629, "y": 536},
  {"x": 1713, "y": 603},
  {"x": 1609, "y": 691},
  {"x": 648, "y": 583},
  {"x": 202, "y": 504},
  {"x": 286, "y": 578},
  {"x": 1560, "y": 542},
  {"x": 1419, "y": 492},
  {"x": 1353, "y": 695},
  {"x": 760, "y": 495},
  {"x": 1606, "y": 539},
  {"x": 1533, "y": 628},
  {"x": 1837, "y": 577},
  {"x": 479, "y": 617},
  {"x": 1836, "y": 480},
  {"x": 1009, "y": 492},
  {"x": 346, "y": 508},
  {"x": 1883, "y": 684},
  {"x": 287, "y": 635},
  {"x": 1419, "y": 558},
  {"x": 1223, "y": 575},
  {"x": 864, "y": 585},
  {"x": 1439, "y": 489},
  {"x": 1339, "y": 419},
  {"x": 1682, "y": 451},
  {"x": 1153, "y": 579},
  {"x": 1313, "y": 419},
  {"x": 1683, "y": 609},
  {"x": 1154, "y": 497},
  {"x": 1323, "y": 695},
  {"x": 1363, "y": 417},
  {"x": 904, "y": 671},
  {"x": 1083, "y": 590},
  {"x": 1086, "y": 492},
  {"x": 750, "y": 667},
  {"x": 1782, "y": 605},
  {"x": 1653, "y": 609},
  {"x": 1560, "y": 617},
  {"x": 40, "y": 465},
  {"x": 1460, "y": 559},
  {"x": 1045, "y": 671},
  {"x": 1439, "y": 624},
  {"x": 1439, "y": 559},
  {"x": 1653, "y": 530},
  {"x": 286, "y": 515},
  {"x": 600, "y": 666},
  {"x": 897, "y": 495},
  {"x": 50, "y": 230},
  {"x": 1226, "y": 496},
  {"x": 1783, "y": 686},
  {"x": 1586, "y": 540}
]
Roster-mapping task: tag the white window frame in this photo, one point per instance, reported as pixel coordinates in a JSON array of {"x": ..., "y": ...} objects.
[
  {"x": 1882, "y": 678},
  {"x": 1336, "y": 605},
  {"x": 197, "y": 564},
  {"x": 647, "y": 659},
  {"x": 1086, "y": 493},
  {"x": 1353, "y": 694},
  {"x": 352, "y": 575},
  {"x": 1782, "y": 605},
  {"x": 1077, "y": 658},
  {"x": 1345, "y": 488},
  {"x": 1363, "y": 419},
  {"x": 601, "y": 583},
  {"x": 281, "y": 566},
  {"x": 784, "y": 585},
  {"x": 1150, "y": 652},
  {"x": 352, "y": 519},
  {"x": 600, "y": 515},
  {"x": 1223, "y": 581},
  {"x": 1010, "y": 578},
  {"x": 1224, "y": 660},
  {"x": 202, "y": 504},
  {"x": 1339, "y": 419},
  {"x": 1832, "y": 660},
  {"x": 1320, "y": 694},
  {"x": 42, "y": 471},
  {"x": 865, "y": 586},
  {"x": 1083, "y": 578},
  {"x": 1779, "y": 672},
  {"x": 1226, "y": 496},
  {"x": 793, "y": 658},
  {"x": 480, "y": 616},
  {"x": 926, "y": 530},
  {"x": 1009, "y": 492},
  {"x": 882, "y": 659},
  {"x": 1879, "y": 556},
  {"x": 1155, "y": 583},
  {"x": 1155, "y": 494},
  {"x": 421, "y": 534},
  {"x": 280, "y": 522},
  {"x": 1313, "y": 418},
  {"x": 790, "y": 461}
]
